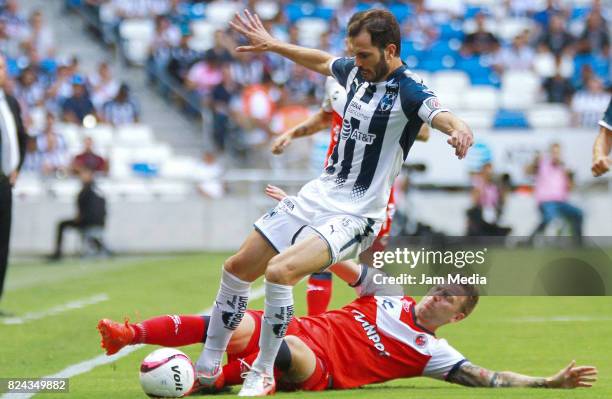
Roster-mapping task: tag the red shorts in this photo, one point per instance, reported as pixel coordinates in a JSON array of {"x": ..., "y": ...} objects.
[{"x": 318, "y": 381}]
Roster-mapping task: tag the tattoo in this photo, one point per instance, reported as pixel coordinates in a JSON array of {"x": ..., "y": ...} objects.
[
  {"x": 471, "y": 375},
  {"x": 301, "y": 131}
]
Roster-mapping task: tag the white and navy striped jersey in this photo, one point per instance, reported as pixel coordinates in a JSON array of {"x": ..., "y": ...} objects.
[
  {"x": 606, "y": 121},
  {"x": 380, "y": 123}
]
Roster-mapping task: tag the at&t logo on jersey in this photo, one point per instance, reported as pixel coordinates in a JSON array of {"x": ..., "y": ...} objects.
[
  {"x": 370, "y": 331},
  {"x": 355, "y": 134}
]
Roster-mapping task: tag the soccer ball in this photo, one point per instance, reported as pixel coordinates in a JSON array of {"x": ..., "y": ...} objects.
[{"x": 167, "y": 373}]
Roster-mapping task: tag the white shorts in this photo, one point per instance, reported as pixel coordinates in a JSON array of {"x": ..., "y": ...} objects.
[{"x": 294, "y": 218}]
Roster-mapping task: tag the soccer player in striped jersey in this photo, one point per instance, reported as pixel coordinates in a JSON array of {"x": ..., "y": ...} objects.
[
  {"x": 380, "y": 336},
  {"x": 603, "y": 144},
  {"x": 319, "y": 291},
  {"x": 338, "y": 215}
]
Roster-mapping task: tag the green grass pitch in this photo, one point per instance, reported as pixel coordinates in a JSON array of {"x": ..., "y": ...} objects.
[{"x": 504, "y": 333}]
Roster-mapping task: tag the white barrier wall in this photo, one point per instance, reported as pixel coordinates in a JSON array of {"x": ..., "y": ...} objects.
[{"x": 205, "y": 225}]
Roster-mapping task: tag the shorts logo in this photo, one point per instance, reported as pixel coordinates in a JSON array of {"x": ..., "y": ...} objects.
[
  {"x": 331, "y": 226},
  {"x": 270, "y": 214},
  {"x": 288, "y": 205},
  {"x": 420, "y": 340}
]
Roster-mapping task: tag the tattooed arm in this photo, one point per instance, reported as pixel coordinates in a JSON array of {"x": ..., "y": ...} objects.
[
  {"x": 315, "y": 123},
  {"x": 571, "y": 376}
]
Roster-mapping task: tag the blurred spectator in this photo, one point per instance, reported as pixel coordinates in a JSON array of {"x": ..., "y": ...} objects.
[
  {"x": 33, "y": 159},
  {"x": 181, "y": 59},
  {"x": 553, "y": 183},
  {"x": 449, "y": 9},
  {"x": 558, "y": 88},
  {"x": 221, "y": 98},
  {"x": 16, "y": 24},
  {"x": 248, "y": 69},
  {"x": 420, "y": 28},
  {"x": 61, "y": 88},
  {"x": 79, "y": 105},
  {"x": 481, "y": 41},
  {"x": 166, "y": 36},
  {"x": 588, "y": 103},
  {"x": 103, "y": 85},
  {"x": 88, "y": 159},
  {"x": 552, "y": 8},
  {"x": 519, "y": 56},
  {"x": 556, "y": 39},
  {"x": 222, "y": 49},
  {"x": 595, "y": 39},
  {"x": 91, "y": 207},
  {"x": 122, "y": 109},
  {"x": 29, "y": 90},
  {"x": 209, "y": 174},
  {"x": 488, "y": 199},
  {"x": 204, "y": 75},
  {"x": 40, "y": 35},
  {"x": 52, "y": 148}
]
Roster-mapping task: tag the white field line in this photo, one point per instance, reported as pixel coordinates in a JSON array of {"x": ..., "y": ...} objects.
[
  {"x": 65, "y": 307},
  {"x": 100, "y": 360},
  {"x": 560, "y": 319}
]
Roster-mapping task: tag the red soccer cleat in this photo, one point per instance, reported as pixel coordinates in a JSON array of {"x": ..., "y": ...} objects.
[{"x": 115, "y": 335}]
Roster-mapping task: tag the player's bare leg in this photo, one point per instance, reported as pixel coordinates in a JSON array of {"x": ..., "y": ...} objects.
[
  {"x": 283, "y": 272},
  {"x": 303, "y": 360},
  {"x": 238, "y": 272}
]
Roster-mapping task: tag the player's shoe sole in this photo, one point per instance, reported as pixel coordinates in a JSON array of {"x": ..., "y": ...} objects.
[{"x": 114, "y": 335}]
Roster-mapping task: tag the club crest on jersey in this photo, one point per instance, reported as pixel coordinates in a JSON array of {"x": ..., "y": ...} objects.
[
  {"x": 386, "y": 103},
  {"x": 420, "y": 340}
]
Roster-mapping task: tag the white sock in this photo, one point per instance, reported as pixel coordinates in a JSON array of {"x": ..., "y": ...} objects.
[
  {"x": 229, "y": 308},
  {"x": 278, "y": 312}
]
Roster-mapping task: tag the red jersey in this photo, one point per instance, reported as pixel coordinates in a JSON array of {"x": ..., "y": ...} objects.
[
  {"x": 334, "y": 103},
  {"x": 375, "y": 339}
]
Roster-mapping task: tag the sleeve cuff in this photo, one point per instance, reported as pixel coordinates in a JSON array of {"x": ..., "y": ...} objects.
[
  {"x": 331, "y": 67},
  {"x": 454, "y": 369},
  {"x": 603, "y": 123},
  {"x": 433, "y": 114}
]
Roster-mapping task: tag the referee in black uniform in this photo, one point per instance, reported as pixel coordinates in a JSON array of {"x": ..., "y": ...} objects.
[{"x": 12, "y": 150}]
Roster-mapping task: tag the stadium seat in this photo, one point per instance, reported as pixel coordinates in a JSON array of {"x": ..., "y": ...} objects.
[
  {"x": 519, "y": 89},
  {"x": 135, "y": 135},
  {"x": 510, "y": 119},
  {"x": 135, "y": 190},
  {"x": 65, "y": 190},
  {"x": 509, "y": 28},
  {"x": 548, "y": 116},
  {"x": 481, "y": 119},
  {"x": 28, "y": 187},
  {"x": 310, "y": 30},
  {"x": 102, "y": 135},
  {"x": 544, "y": 65},
  {"x": 457, "y": 81},
  {"x": 449, "y": 97},
  {"x": 178, "y": 167},
  {"x": 220, "y": 13},
  {"x": 71, "y": 135},
  {"x": 170, "y": 190},
  {"x": 203, "y": 35},
  {"x": 484, "y": 98},
  {"x": 136, "y": 35},
  {"x": 266, "y": 9}
]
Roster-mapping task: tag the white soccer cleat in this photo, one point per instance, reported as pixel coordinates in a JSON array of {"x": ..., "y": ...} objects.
[{"x": 257, "y": 383}]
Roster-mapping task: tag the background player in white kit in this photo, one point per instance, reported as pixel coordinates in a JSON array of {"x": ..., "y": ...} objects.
[{"x": 338, "y": 215}]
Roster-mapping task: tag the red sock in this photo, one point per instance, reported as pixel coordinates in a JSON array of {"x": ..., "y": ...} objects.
[
  {"x": 170, "y": 330},
  {"x": 318, "y": 293}
]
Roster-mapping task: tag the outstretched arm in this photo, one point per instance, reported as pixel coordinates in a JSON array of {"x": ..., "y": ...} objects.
[
  {"x": 601, "y": 150},
  {"x": 310, "y": 126},
  {"x": 571, "y": 376},
  {"x": 461, "y": 137},
  {"x": 251, "y": 27}
]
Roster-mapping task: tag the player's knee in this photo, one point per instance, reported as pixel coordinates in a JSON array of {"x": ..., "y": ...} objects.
[
  {"x": 279, "y": 271},
  {"x": 238, "y": 265}
]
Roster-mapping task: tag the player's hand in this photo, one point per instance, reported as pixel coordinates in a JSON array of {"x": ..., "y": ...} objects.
[
  {"x": 574, "y": 377},
  {"x": 461, "y": 141},
  {"x": 275, "y": 192},
  {"x": 280, "y": 143},
  {"x": 601, "y": 165},
  {"x": 13, "y": 178},
  {"x": 251, "y": 27}
]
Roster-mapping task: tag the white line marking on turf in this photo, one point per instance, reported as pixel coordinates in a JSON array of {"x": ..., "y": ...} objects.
[
  {"x": 100, "y": 360},
  {"x": 560, "y": 319},
  {"x": 65, "y": 307}
]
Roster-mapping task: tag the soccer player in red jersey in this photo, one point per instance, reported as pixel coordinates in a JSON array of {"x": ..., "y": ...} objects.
[
  {"x": 319, "y": 291},
  {"x": 393, "y": 335}
]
